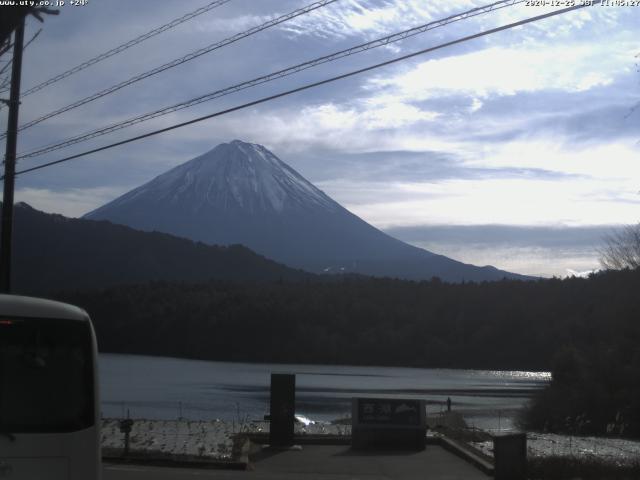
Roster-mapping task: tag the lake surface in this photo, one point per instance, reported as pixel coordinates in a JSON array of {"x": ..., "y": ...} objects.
[{"x": 168, "y": 388}]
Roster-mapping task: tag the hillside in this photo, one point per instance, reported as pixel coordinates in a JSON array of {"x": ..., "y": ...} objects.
[{"x": 53, "y": 252}]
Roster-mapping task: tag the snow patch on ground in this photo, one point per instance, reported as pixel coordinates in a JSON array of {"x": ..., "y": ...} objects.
[
  {"x": 617, "y": 451},
  {"x": 214, "y": 439},
  {"x": 207, "y": 439}
]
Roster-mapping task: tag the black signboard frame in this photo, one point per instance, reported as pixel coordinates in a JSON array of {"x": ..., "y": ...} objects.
[
  {"x": 389, "y": 423},
  {"x": 283, "y": 403}
]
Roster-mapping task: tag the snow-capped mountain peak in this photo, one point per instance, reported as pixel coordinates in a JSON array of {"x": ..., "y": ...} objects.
[{"x": 235, "y": 176}]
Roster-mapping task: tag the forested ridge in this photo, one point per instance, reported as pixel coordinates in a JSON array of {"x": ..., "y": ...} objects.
[
  {"x": 505, "y": 324},
  {"x": 53, "y": 251}
]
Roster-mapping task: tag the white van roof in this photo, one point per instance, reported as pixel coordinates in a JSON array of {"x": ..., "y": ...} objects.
[{"x": 19, "y": 306}]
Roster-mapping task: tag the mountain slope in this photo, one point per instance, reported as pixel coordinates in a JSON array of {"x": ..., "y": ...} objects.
[
  {"x": 52, "y": 252},
  {"x": 242, "y": 193}
]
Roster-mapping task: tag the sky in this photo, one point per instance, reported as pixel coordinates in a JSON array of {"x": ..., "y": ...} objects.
[{"x": 519, "y": 149}]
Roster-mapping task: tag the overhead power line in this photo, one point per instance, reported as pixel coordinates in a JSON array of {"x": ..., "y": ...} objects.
[
  {"x": 396, "y": 37},
  {"x": 181, "y": 60},
  {"x": 125, "y": 46},
  {"x": 308, "y": 86}
]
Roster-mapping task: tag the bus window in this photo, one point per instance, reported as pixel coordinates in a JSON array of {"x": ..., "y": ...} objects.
[{"x": 46, "y": 375}]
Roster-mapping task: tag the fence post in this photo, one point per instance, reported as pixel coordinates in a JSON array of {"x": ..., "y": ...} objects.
[{"x": 125, "y": 427}]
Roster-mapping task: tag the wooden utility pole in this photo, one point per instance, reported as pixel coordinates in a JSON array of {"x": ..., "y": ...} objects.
[{"x": 10, "y": 161}]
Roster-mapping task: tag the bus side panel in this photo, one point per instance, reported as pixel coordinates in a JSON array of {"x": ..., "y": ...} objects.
[
  {"x": 79, "y": 451},
  {"x": 97, "y": 445},
  {"x": 87, "y": 458}
]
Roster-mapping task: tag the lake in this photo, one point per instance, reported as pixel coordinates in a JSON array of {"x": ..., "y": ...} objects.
[{"x": 168, "y": 388}]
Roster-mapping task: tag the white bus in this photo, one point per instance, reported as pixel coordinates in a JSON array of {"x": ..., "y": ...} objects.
[{"x": 49, "y": 411}]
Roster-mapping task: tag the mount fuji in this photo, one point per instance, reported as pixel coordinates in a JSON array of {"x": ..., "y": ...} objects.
[{"x": 241, "y": 193}]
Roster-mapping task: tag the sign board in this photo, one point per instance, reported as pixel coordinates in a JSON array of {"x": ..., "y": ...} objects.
[
  {"x": 510, "y": 456},
  {"x": 388, "y": 423},
  {"x": 383, "y": 411}
]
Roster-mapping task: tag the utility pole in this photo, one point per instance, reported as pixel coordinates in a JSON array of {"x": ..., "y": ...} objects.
[{"x": 10, "y": 161}]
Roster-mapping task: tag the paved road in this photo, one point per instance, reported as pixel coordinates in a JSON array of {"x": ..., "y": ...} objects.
[{"x": 320, "y": 462}]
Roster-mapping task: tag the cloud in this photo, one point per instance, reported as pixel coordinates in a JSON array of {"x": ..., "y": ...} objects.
[
  {"x": 514, "y": 201},
  {"x": 583, "y": 274},
  {"x": 231, "y": 24},
  {"x": 619, "y": 162},
  {"x": 368, "y": 18},
  {"x": 387, "y": 116},
  {"x": 71, "y": 203},
  {"x": 534, "y": 261},
  {"x": 505, "y": 71},
  {"x": 374, "y": 17},
  {"x": 407, "y": 166},
  {"x": 601, "y": 115},
  {"x": 540, "y": 251},
  {"x": 506, "y": 235}
]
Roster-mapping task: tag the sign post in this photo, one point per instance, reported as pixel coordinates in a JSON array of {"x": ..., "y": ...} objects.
[
  {"x": 283, "y": 401},
  {"x": 125, "y": 427}
]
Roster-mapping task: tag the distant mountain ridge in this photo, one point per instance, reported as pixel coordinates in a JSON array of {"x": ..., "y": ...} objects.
[
  {"x": 241, "y": 193},
  {"x": 52, "y": 253}
]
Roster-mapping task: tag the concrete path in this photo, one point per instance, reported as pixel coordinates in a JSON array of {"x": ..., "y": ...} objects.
[{"x": 322, "y": 462}]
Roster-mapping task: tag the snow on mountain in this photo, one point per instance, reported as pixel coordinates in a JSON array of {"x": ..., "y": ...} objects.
[
  {"x": 242, "y": 193},
  {"x": 235, "y": 176}
]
